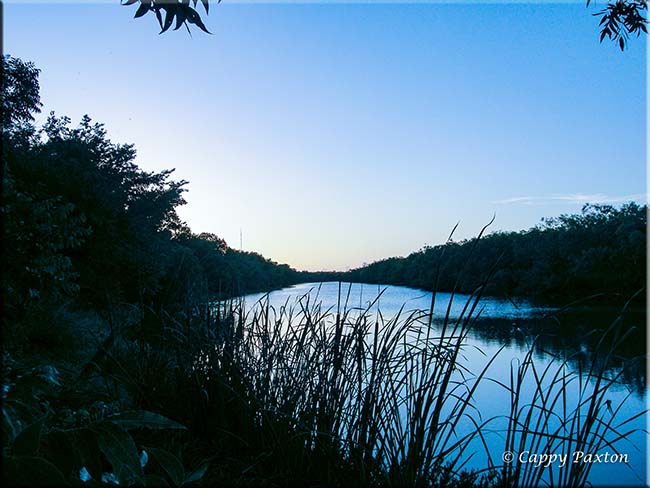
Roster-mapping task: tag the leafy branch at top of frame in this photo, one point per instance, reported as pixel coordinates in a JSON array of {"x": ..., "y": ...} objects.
[
  {"x": 622, "y": 18},
  {"x": 618, "y": 20},
  {"x": 172, "y": 12}
]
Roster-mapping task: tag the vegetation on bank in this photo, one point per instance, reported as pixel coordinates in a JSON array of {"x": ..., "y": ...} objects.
[
  {"x": 601, "y": 251},
  {"x": 104, "y": 293},
  {"x": 82, "y": 222}
]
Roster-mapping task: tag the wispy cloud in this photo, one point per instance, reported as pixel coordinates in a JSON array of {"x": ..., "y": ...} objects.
[{"x": 575, "y": 198}]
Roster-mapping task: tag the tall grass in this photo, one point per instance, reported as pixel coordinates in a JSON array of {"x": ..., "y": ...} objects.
[
  {"x": 302, "y": 394},
  {"x": 567, "y": 412},
  {"x": 345, "y": 395}
]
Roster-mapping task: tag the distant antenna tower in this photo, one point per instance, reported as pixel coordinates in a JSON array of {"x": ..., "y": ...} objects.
[{"x": 241, "y": 246}]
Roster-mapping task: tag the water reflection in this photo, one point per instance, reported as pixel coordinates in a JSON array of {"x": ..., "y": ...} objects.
[
  {"x": 566, "y": 334},
  {"x": 510, "y": 328},
  {"x": 574, "y": 337}
]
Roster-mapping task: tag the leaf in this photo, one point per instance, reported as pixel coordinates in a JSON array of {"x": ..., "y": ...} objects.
[
  {"x": 181, "y": 15},
  {"x": 196, "y": 475},
  {"x": 169, "y": 17},
  {"x": 195, "y": 18},
  {"x": 10, "y": 425},
  {"x": 169, "y": 463},
  {"x": 155, "y": 480},
  {"x": 49, "y": 374},
  {"x": 119, "y": 448},
  {"x": 58, "y": 447},
  {"x": 144, "y": 458},
  {"x": 87, "y": 451},
  {"x": 129, "y": 2},
  {"x": 33, "y": 385},
  {"x": 206, "y": 6},
  {"x": 28, "y": 440},
  {"x": 30, "y": 471},
  {"x": 142, "y": 9},
  {"x": 621, "y": 43},
  {"x": 159, "y": 17},
  {"x": 602, "y": 35},
  {"x": 139, "y": 419}
]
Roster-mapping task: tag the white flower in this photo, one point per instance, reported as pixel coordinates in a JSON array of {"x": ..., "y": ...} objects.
[
  {"x": 144, "y": 458},
  {"x": 110, "y": 478},
  {"x": 84, "y": 475}
]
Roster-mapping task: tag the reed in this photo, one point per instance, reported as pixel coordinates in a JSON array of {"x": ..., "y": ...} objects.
[
  {"x": 565, "y": 414},
  {"x": 301, "y": 394},
  {"x": 345, "y": 392}
]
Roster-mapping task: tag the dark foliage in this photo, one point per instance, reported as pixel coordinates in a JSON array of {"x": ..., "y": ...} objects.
[
  {"x": 621, "y": 18},
  {"x": 172, "y": 12},
  {"x": 599, "y": 251},
  {"x": 618, "y": 20},
  {"x": 106, "y": 306},
  {"x": 80, "y": 215}
]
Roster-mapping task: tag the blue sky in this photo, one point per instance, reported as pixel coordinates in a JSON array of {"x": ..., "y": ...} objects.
[{"x": 338, "y": 134}]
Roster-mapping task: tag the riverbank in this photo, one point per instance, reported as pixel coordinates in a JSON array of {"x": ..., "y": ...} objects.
[{"x": 561, "y": 260}]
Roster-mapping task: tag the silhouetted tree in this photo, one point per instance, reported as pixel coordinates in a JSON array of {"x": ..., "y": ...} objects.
[
  {"x": 20, "y": 94},
  {"x": 38, "y": 229},
  {"x": 82, "y": 221},
  {"x": 600, "y": 250}
]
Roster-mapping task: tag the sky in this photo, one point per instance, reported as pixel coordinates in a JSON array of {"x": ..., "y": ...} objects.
[{"x": 328, "y": 135}]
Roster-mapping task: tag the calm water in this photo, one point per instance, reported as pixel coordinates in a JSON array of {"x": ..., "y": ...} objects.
[{"x": 510, "y": 325}]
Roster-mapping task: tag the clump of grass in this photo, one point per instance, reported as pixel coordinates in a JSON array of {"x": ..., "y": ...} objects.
[
  {"x": 555, "y": 421},
  {"x": 341, "y": 395},
  {"x": 302, "y": 395},
  {"x": 330, "y": 388}
]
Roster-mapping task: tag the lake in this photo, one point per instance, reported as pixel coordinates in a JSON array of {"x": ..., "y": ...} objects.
[{"x": 507, "y": 328}]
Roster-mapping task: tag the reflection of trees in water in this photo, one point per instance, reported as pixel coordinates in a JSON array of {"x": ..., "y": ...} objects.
[{"x": 574, "y": 336}]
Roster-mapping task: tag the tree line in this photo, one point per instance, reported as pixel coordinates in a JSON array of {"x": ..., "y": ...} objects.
[
  {"x": 601, "y": 250},
  {"x": 83, "y": 224}
]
